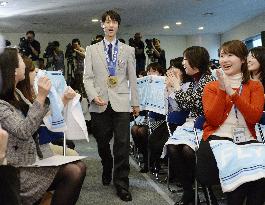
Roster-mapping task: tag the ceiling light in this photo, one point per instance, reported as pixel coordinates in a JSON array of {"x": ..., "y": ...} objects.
[
  {"x": 207, "y": 14},
  {"x": 200, "y": 28},
  {"x": 3, "y": 3},
  {"x": 178, "y": 23},
  {"x": 94, "y": 20},
  {"x": 166, "y": 27}
]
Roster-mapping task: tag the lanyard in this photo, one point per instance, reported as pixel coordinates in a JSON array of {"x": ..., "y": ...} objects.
[
  {"x": 235, "y": 108},
  {"x": 111, "y": 64}
]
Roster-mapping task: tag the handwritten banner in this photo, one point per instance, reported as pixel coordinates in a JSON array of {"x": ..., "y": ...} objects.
[
  {"x": 151, "y": 90},
  {"x": 238, "y": 164}
]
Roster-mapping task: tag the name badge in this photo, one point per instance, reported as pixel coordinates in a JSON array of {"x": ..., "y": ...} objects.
[
  {"x": 112, "y": 81},
  {"x": 239, "y": 134}
]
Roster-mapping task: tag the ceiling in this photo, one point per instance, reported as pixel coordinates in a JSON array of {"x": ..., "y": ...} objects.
[{"x": 145, "y": 16}]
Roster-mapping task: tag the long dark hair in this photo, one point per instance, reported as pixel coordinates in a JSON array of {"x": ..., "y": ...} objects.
[
  {"x": 239, "y": 49},
  {"x": 8, "y": 64},
  {"x": 259, "y": 54},
  {"x": 24, "y": 85}
]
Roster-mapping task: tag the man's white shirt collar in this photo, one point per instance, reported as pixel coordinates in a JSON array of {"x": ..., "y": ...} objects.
[{"x": 112, "y": 42}]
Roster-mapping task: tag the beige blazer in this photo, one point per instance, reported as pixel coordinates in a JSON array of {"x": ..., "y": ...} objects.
[{"x": 122, "y": 96}]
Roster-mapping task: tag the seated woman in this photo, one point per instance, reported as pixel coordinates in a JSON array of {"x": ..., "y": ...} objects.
[
  {"x": 140, "y": 132},
  {"x": 26, "y": 86},
  {"x": 256, "y": 64},
  {"x": 256, "y": 67},
  {"x": 232, "y": 106},
  {"x": 181, "y": 146},
  {"x": 21, "y": 120},
  {"x": 176, "y": 116}
]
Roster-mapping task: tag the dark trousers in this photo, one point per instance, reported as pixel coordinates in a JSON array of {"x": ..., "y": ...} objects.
[
  {"x": 104, "y": 126},
  {"x": 9, "y": 186},
  {"x": 157, "y": 140}
]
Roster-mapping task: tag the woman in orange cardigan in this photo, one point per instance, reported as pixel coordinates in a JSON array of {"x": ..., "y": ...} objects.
[{"x": 223, "y": 120}]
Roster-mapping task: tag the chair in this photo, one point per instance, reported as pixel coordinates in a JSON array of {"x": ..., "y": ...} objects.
[
  {"x": 261, "y": 122},
  {"x": 198, "y": 125}
]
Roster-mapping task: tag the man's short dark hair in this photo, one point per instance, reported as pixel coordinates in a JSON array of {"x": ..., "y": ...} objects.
[
  {"x": 31, "y": 32},
  {"x": 99, "y": 36},
  {"x": 76, "y": 40},
  {"x": 56, "y": 43},
  {"x": 113, "y": 16}
]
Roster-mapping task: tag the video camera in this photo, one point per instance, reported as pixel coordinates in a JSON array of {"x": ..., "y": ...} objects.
[
  {"x": 49, "y": 51},
  {"x": 149, "y": 43},
  {"x": 24, "y": 47}
]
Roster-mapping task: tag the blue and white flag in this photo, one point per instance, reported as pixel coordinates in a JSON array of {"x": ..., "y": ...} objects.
[
  {"x": 151, "y": 90},
  {"x": 238, "y": 164},
  {"x": 56, "y": 119}
]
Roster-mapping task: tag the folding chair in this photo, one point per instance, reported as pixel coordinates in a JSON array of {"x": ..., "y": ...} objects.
[
  {"x": 261, "y": 122},
  {"x": 198, "y": 125}
]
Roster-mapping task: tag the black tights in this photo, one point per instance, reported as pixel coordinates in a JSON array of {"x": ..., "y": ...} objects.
[
  {"x": 140, "y": 138},
  {"x": 182, "y": 159},
  {"x": 253, "y": 191},
  {"x": 68, "y": 183}
]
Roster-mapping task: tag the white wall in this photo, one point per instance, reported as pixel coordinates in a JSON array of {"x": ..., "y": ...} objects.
[
  {"x": 246, "y": 29},
  {"x": 210, "y": 41}
]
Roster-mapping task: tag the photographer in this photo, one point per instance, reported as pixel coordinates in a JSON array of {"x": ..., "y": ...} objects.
[
  {"x": 158, "y": 53},
  {"x": 33, "y": 46},
  {"x": 139, "y": 52},
  {"x": 54, "y": 56},
  {"x": 75, "y": 55},
  {"x": 58, "y": 57},
  {"x": 97, "y": 39}
]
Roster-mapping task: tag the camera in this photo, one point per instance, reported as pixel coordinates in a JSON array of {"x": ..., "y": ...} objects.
[
  {"x": 131, "y": 42},
  {"x": 24, "y": 46},
  {"x": 49, "y": 51},
  {"x": 149, "y": 43}
]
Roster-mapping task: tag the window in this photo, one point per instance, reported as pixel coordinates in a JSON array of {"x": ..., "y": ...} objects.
[{"x": 253, "y": 41}]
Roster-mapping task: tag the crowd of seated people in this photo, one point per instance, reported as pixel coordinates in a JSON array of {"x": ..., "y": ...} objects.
[
  {"x": 202, "y": 95},
  {"x": 232, "y": 106}
]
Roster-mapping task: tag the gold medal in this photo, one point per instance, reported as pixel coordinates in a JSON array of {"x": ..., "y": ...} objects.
[{"x": 112, "y": 81}]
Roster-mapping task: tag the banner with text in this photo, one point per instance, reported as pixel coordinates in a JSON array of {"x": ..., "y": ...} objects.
[{"x": 152, "y": 91}]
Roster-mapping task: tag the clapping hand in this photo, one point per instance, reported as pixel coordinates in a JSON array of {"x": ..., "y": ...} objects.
[
  {"x": 173, "y": 79},
  {"x": 223, "y": 83}
]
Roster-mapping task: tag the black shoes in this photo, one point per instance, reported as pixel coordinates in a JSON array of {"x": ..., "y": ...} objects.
[
  {"x": 188, "y": 198},
  {"x": 124, "y": 194}
]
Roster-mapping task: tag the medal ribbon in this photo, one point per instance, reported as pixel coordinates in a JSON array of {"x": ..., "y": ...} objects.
[{"x": 111, "y": 62}]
